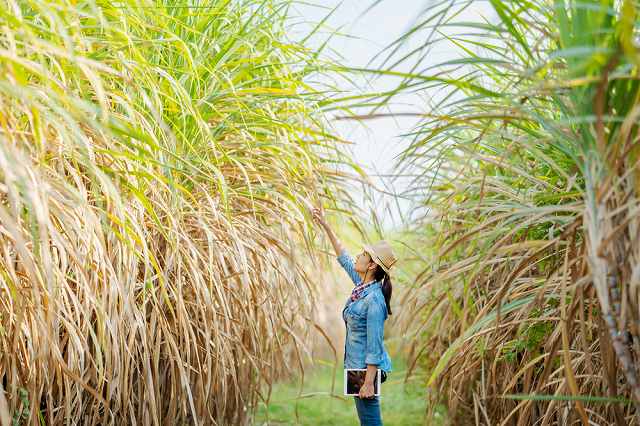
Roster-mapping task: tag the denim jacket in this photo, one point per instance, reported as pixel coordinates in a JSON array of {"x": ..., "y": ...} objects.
[{"x": 364, "y": 321}]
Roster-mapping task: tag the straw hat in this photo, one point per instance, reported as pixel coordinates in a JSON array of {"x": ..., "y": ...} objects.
[{"x": 382, "y": 254}]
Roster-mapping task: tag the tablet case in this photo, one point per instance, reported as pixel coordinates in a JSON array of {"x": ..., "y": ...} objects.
[{"x": 354, "y": 379}]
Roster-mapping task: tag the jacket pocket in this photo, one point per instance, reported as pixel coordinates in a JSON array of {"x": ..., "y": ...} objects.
[{"x": 359, "y": 310}]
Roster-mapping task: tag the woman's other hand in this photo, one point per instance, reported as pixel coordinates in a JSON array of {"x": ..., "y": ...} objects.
[{"x": 366, "y": 391}]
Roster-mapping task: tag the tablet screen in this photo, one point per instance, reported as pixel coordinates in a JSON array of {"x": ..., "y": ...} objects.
[{"x": 354, "y": 379}]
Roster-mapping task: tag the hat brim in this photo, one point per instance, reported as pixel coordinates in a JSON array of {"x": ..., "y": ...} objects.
[{"x": 374, "y": 257}]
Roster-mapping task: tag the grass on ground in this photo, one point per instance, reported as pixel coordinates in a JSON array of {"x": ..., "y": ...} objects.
[{"x": 401, "y": 404}]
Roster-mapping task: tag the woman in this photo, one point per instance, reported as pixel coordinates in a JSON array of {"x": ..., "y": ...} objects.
[{"x": 364, "y": 314}]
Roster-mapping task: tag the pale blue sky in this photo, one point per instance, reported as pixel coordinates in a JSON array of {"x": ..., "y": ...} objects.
[{"x": 377, "y": 142}]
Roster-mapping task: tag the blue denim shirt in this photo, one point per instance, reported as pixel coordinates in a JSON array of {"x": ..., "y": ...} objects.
[{"x": 364, "y": 320}]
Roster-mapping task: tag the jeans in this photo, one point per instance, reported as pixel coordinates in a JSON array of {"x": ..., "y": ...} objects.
[{"x": 369, "y": 411}]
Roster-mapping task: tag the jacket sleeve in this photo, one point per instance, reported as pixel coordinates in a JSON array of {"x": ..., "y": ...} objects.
[
  {"x": 375, "y": 333},
  {"x": 345, "y": 260}
]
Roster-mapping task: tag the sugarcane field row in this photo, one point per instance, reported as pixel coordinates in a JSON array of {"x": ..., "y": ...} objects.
[{"x": 182, "y": 184}]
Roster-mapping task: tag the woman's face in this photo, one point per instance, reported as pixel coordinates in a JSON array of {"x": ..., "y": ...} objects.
[{"x": 363, "y": 262}]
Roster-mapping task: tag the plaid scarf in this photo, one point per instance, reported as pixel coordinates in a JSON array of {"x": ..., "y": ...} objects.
[{"x": 357, "y": 290}]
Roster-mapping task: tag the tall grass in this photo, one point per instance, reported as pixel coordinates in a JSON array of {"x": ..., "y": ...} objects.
[
  {"x": 527, "y": 309},
  {"x": 153, "y": 159}
]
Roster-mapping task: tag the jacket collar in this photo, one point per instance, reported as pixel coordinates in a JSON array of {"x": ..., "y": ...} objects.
[{"x": 370, "y": 288}]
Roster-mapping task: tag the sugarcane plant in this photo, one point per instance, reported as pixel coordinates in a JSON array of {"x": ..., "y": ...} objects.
[
  {"x": 154, "y": 160},
  {"x": 527, "y": 165}
]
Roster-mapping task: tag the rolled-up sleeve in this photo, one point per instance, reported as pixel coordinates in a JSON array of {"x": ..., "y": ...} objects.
[
  {"x": 345, "y": 260},
  {"x": 375, "y": 333}
]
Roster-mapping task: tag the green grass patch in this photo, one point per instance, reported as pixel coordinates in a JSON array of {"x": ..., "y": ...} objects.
[{"x": 401, "y": 404}]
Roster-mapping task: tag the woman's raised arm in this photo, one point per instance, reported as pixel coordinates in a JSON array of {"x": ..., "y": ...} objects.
[
  {"x": 318, "y": 216},
  {"x": 343, "y": 257}
]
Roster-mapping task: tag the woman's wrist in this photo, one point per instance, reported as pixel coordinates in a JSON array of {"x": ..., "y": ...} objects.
[{"x": 370, "y": 374}]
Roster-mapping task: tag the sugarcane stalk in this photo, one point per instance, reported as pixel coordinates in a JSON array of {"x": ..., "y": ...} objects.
[{"x": 605, "y": 280}]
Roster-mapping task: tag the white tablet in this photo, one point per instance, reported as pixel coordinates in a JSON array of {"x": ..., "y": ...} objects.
[{"x": 354, "y": 378}]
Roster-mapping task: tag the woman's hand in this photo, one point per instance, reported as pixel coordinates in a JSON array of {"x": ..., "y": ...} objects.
[
  {"x": 318, "y": 216},
  {"x": 366, "y": 391}
]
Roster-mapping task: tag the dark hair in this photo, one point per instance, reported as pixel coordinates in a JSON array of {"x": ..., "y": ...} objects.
[{"x": 387, "y": 288}]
